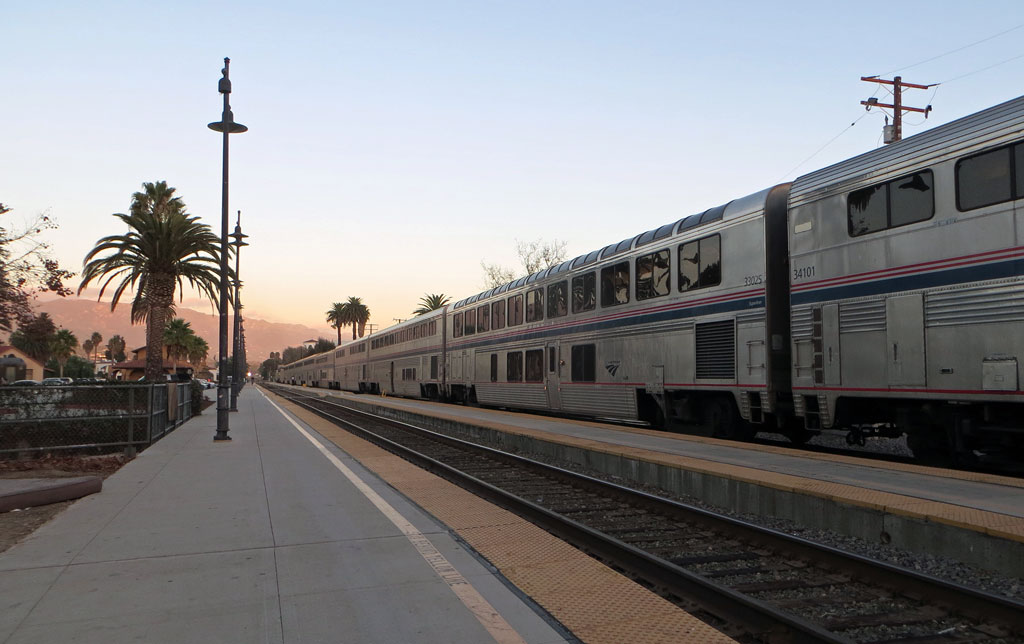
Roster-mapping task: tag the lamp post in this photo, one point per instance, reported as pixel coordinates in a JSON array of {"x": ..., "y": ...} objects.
[
  {"x": 238, "y": 241},
  {"x": 226, "y": 126}
]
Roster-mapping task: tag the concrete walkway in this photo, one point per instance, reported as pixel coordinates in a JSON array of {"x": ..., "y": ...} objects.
[{"x": 265, "y": 538}]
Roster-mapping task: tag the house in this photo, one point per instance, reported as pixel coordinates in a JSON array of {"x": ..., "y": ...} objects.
[
  {"x": 15, "y": 364},
  {"x": 135, "y": 368}
]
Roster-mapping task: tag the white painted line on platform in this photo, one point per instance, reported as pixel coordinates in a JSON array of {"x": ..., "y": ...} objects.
[{"x": 500, "y": 630}]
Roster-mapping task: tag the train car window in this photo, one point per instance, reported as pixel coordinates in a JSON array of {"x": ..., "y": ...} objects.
[
  {"x": 498, "y": 315},
  {"x": 983, "y": 179},
  {"x": 584, "y": 292},
  {"x": 652, "y": 274},
  {"x": 700, "y": 263},
  {"x": 515, "y": 310},
  {"x": 514, "y": 366},
  {"x": 910, "y": 199},
  {"x": 433, "y": 367},
  {"x": 535, "y": 365},
  {"x": 895, "y": 203},
  {"x": 535, "y": 305},
  {"x": 583, "y": 363},
  {"x": 433, "y": 327},
  {"x": 1018, "y": 158},
  {"x": 483, "y": 318},
  {"x": 558, "y": 299},
  {"x": 868, "y": 210},
  {"x": 457, "y": 325},
  {"x": 470, "y": 322},
  {"x": 494, "y": 367},
  {"x": 615, "y": 284}
]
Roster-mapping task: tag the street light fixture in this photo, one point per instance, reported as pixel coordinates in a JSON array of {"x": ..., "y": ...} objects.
[
  {"x": 226, "y": 126},
  {"x": 236, "y": 385}
]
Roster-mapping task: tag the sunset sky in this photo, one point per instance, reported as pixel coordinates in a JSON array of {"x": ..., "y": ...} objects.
[{"x": 392, "y": 146}]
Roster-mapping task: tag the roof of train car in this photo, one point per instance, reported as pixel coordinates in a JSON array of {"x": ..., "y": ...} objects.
[{"x": 955, "y": 137}]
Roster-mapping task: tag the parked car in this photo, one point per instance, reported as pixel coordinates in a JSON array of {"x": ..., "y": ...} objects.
[
  {"x": 56, "y": 382},
  {"x": 25, "y": 383}
]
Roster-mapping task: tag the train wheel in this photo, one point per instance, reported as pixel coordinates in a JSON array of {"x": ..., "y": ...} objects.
[{"x": 930, "y": 445}]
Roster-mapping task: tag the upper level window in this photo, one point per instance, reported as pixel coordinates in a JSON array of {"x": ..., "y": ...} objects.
[
  {"x": 584, "y": 292},
  {"x": 700, "y": 263},
  {"x": 457, "y": 326},
  {"x": 894, "y": 203},
  {"x": 652, "y": 274},
  {"x": 558, "y": 299},
  {"x": 470, "y": 323},
  {"x": 990, "y": 177},
  {"x": 515, "y": 310},
  {"x": 535, "y": 305},
  {"x": 483, "y": 318},
  {"x": 615, "y": 284},
  {"x": 498, "y": 315}
]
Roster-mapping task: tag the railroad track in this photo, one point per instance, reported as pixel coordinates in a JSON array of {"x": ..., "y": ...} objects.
[{"x": 767, "y": 585}]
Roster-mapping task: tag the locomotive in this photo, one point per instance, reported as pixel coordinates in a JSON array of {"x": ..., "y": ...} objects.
[{"x": 882, "y": 295}]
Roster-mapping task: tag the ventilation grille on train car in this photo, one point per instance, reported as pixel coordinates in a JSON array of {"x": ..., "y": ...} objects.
[{"x": 716, "y": 350}]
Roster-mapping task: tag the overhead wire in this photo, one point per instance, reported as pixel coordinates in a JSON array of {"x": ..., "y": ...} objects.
[
  {"x": 828, "y": 143},
  {"x": 953, "y": 51}
]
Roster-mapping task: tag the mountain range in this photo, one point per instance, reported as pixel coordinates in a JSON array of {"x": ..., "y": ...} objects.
[{"x": 82, "y": 317}]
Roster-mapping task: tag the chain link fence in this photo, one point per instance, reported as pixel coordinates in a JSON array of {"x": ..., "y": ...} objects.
[{"x": 92, "y": 418}]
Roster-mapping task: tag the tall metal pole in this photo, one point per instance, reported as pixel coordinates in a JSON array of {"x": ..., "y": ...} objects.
[
  {"x": 227, "y": 126},
  {"x": 236, "y": 382}
]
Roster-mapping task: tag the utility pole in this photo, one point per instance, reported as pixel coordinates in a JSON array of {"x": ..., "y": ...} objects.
[
  {"x": 372, "y": 328},
  {"x": 895, "y": 133}
]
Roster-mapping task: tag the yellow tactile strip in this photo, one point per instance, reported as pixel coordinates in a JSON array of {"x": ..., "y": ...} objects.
[
  {"x": 998, "y": 525},
  {"x": 596, "y": 603}
]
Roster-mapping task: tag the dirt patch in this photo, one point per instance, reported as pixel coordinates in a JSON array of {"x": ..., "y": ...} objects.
[{"x": 18, "y": 524}]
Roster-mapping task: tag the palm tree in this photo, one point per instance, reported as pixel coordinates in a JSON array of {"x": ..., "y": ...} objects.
[
  {"x": 163, "y": 248},
  {"x": 62, "y": 347},
  {"x": 356, "y": 314},
  {"x": 97, "y": 339},
  {"x": 87, "y": 347},
  {"x": 336, "y": 318},
  {"x": 431, "y": 302},
  {"x": 178, "y": 335},
  {"x": 198, "y": 349},
  {"x": 115, "y": 348}
]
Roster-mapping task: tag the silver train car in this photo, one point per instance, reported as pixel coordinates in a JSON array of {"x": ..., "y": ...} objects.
[{"x": 883, "y": 296}]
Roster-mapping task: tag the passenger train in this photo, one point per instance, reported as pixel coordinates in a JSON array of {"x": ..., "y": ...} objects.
[{"x": 883, "y": 295}]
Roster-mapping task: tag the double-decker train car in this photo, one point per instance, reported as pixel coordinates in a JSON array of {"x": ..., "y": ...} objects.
[
  {"x": 882, "y": 295},
  {"x": 907, "y": 287}
]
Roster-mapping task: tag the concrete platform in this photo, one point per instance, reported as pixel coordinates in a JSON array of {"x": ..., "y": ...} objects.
[
  {"x": 974, "y": 517},
  {"x": 18, "y": 494},
  {"x": 266, "y": 538}
]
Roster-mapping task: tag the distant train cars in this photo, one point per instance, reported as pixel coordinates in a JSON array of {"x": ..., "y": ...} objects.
[{"x": 883, "y": 295}]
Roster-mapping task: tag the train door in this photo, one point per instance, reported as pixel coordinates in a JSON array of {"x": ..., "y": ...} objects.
[
  {"x": 830, "y": 344},
  {"x": 904, "y": 334},
  {"x": 553, "y": 375}
]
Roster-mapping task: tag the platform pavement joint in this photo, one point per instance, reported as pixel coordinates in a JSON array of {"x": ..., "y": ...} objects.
[{"x": 908, "y": 533}]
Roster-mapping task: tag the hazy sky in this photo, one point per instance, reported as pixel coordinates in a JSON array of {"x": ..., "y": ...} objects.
[{"x": 392, "y": 146}]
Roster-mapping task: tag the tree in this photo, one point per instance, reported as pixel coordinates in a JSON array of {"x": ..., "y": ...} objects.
[
  {"x": 269, "y": 366},
  {"x": 26, "y": 270},
  {"x": 62, "y": 346},
  {"x": 97, "y": 339},
  {"x": 336, "y": 317},
  {"x": 35, "y": 337},
  {"x": 357, "y": 314},
  {"x": 115, "y": 348},
  {"x": 322, "y": 344},
  {"x": 431, "y": 302},
  {"x": 163, "y": 248},
  {"x": 178, "y": 336},
  {"x": 534, "y": 255},
  {"x": 87, "y": 347},
  {"x": 76, "y": 367},
  {"x": 197, "y": 351}
]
